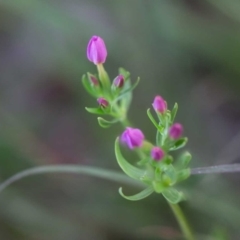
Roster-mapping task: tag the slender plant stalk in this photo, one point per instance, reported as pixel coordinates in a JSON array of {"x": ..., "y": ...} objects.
[
  {"x": 178, "y": 213},
  {"x": 182, "y": 221}
]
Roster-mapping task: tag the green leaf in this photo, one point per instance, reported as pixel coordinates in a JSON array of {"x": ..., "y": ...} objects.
[
  {"x": 95, "y": 110},
  {"x": 172, "y": 195},
  {"x": 129, "y": 169},
  {"x": 174, "y": 112},
  {"x": 87, "y": 86},
  {"x": 126, "y": 97},
  {"x": 106, "y": 124},
  {"x": 159, "y": 186},
  {"x": 143, "y": 194},
  {"x": 125, "y": 73},
  {"x": 158, "y": 138},
  {"x": 184, "y": 160},
  {"x": 179, "y": 144},
  {"x": 169, "y": 175},
  {"x": 183, "y": 174},
  {"x": 152, "y": 118}
]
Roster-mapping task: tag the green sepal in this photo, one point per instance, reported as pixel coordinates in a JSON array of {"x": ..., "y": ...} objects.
[
  {"x": 129, "y": 169},
  {"x": 183, "y": 161},
  {"x": 152, "y": 118},
  {"x": 126, "y": 93},
  {"x": 105, "y": 123},
  {"x": 172, "y": 195},
  {"x": 143, "y": 194},
  {"x": 125, "y": 73},
  {"x": 158, "y": 138},
  {"x": 126, "y": 97},
  {"x": 183, "y": 174},
  {"x": 169, "y": 176},
  {"x": 174, "y": 112},
  {"x": 95, "y": 110},
  {"x": 159, "y": 186},
  {"x": 87, "y": 85},
  {"x": 179, "y": 144}
]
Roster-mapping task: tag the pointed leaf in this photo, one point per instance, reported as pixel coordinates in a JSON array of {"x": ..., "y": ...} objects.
[
  {"x": 87, "y": 86},
  {"x": 184, "y": 160},
  {"x": 127, "y": 93},
  {"x": 143, "y": 194},
  {"x": 158, "y": 138},
  {"x": 106, "y": 124},
  {"x": 174, "y": 112},
  {"x": 159, "y": 186},
  {"x": 183, "y": 174},
  {"x": 95, "y": 110},
  {"x": 152, "y": 118},
  {"x": 179, "y": 144},
  {"x": 172, "y": 195},
  {"x": 129, "y": 169},
  {"x": 126, "y": 97},
  {"x": 125, "y": 73}
]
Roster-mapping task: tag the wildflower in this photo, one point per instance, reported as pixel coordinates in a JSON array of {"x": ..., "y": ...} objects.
[
  {"x": 133, "y": 137},
  {"x": 157, "y": 153},
  {"x": 159, "y": 104},
  {"x": 102, "y": 102},
  {"x": 175, "y": 131},
  {"x": 118, "y": 81},
  {"x": 96, "y": 50}
]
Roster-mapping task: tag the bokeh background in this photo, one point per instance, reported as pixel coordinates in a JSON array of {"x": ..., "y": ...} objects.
[{"x": 188, "y": 51}]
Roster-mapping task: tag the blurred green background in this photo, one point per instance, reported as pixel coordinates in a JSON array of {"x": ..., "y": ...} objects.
[{"x": 188, "y": 51}]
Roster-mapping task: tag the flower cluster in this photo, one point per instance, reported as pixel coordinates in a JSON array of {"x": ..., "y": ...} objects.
[
  {"x": 113, "y": 97},
  {"x": 156, "y": 167}
]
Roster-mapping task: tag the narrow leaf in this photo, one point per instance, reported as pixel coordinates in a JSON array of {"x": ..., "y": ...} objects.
[
  {"x": 143, "y": 194},
  {"x": 172, "y": 195},
  {"x": 125, "y": 73},
  {"x": 174, "y": 112},
  {"x": 129, "y": 169},
  {"x": 106, "y": 124},
  {"x": 87, "y": 86},
  {"x": 95, "y": 110},
  {"x": 183, "y": 174},
  {"x": 152, "y": 118},
  {"x": 179, "y": 144},
  {"x": 183, "y": 161},
  {"x": 124, "y": 94}
]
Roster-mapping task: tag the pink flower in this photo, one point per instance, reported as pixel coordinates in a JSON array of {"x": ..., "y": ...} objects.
[
  {"x": 157, "y": 153},
  {"x": 159, "y": 104},
  {"x": 133, "y": 137},
  {"x": 176, "y": 131},
  {"x": 102, "y": 102},
  {"x": 118, "y": 81},
  {"x": 96, "y": 50}
]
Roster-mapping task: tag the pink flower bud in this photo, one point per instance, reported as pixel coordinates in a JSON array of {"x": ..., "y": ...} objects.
[
  {"x": 96, "y": 50},
  {"x": 133, "y": 137},
  {"x": 102, "y": 102},
  {"x": 93, "y": 80},
  {"x": 157, "y": 153},
  {"x": 159, "y": 104},
  {"x": 118, "y": 81},
  {"x": 175, "y": 131}
]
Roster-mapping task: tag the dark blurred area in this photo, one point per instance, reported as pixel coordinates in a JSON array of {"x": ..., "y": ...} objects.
[{"x": 188, "y": 51}]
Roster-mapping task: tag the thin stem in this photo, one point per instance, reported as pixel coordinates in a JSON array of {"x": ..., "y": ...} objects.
[
  {"x": 77, "y": 169},
  {"x": 182, "y": 221},
  {"x": 227, "y": 168}
]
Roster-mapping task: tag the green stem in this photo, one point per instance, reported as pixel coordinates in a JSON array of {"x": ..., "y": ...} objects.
[
  {"x": 182, "y": 221},
  {"x": 67, "y": 168},
  {"x": 178, "y": 213}
]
